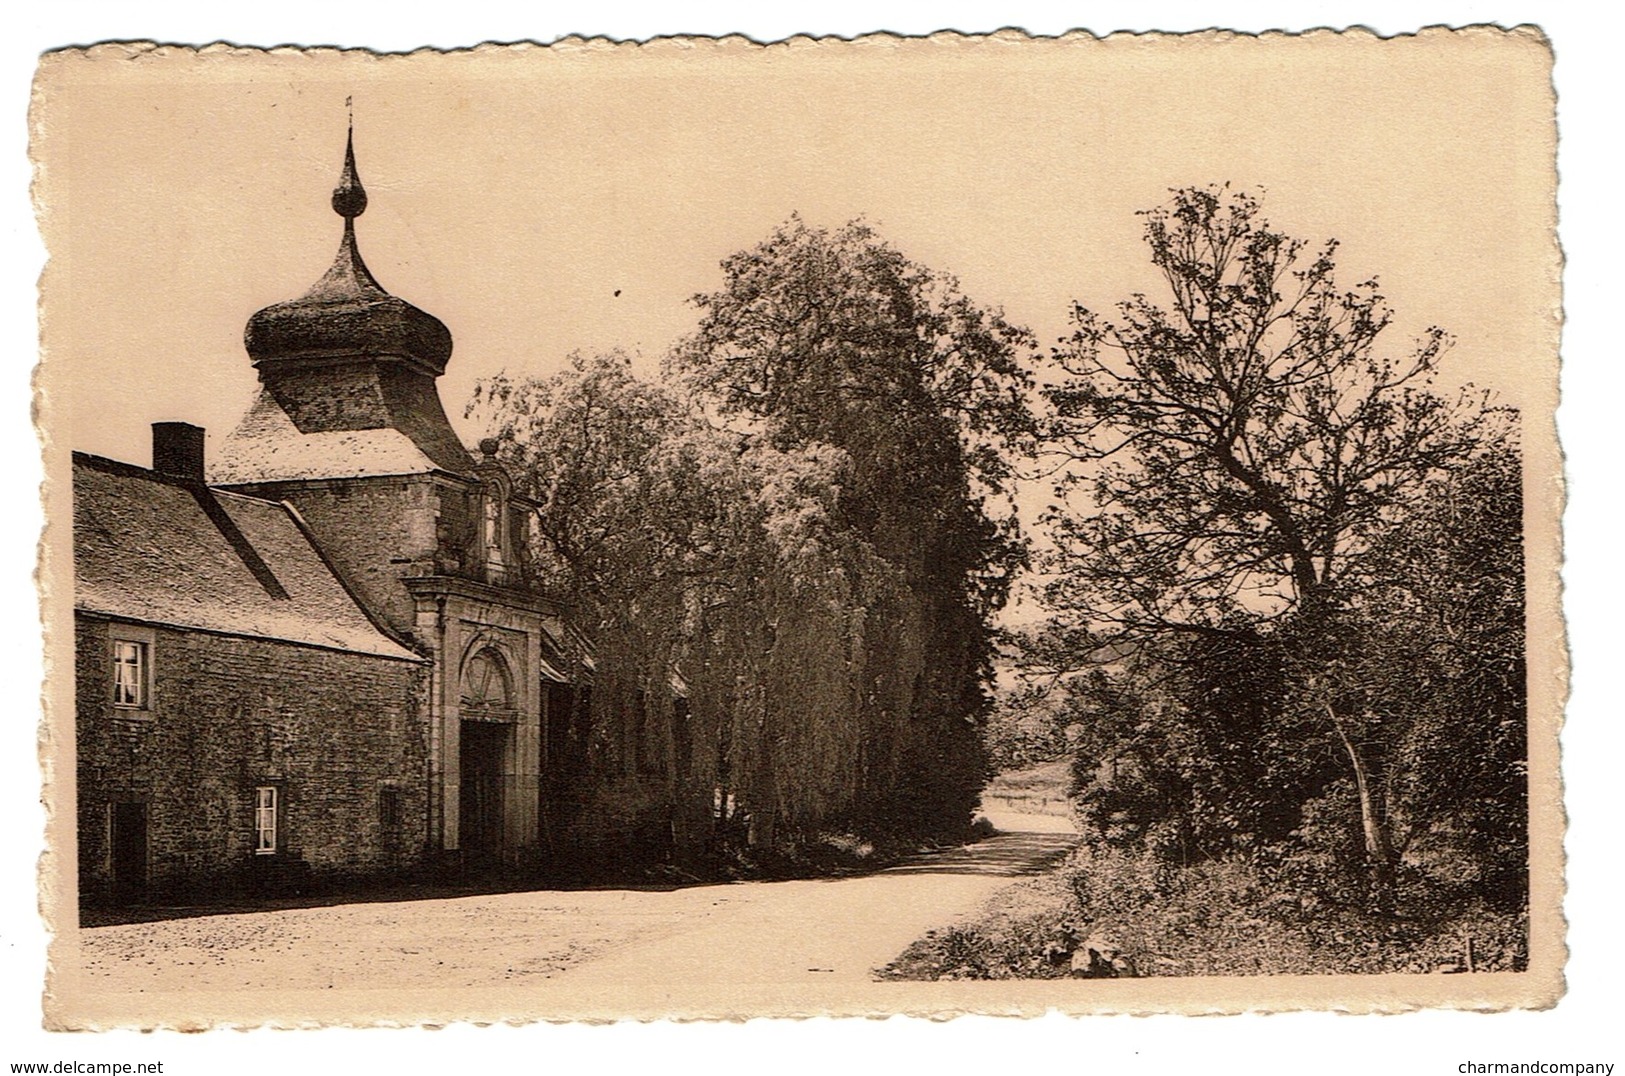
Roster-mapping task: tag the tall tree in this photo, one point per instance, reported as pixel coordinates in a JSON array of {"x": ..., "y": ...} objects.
[
  {"x": 833, "y": 338},
  {"x": 1239, "y": 453},
  {"x": 683, "y": 554}
]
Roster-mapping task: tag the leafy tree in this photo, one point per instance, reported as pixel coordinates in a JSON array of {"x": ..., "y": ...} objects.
[
  {"x": 682, "y": 552},
  {"x": 1441, "y": 661},
  {"x": 1187, "y": 746},
  {"x": 1025, "y": 727},
  {"x": 1244, "y": 451},
  {"x": 821, "y": 338}
]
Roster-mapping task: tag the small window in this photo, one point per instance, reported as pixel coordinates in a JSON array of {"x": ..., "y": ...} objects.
[
  {"x": 265, "y": 820},
  {"x": 493, "y": 526},
  {"x": 487, "y": 688},
  {"x": 129, "y": 674}
]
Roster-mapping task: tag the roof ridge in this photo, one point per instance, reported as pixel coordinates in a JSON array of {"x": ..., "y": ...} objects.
[
  {"x": 189, "y": 571},
  {"x": 109, "y": 465},
  {"x": 224, "y": 491}
]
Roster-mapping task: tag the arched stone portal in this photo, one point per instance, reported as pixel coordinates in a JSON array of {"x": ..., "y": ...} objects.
[
  {"x": 489, "y": 715},
  {"x": 485, "y": 736}
]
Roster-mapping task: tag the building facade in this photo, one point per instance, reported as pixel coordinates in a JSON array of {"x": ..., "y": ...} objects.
[
  {"x": 423, "y": 741},
  {"x": 242, "y": 722}
]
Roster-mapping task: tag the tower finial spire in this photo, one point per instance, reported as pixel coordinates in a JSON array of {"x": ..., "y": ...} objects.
[{"x": 349, "y": 197}]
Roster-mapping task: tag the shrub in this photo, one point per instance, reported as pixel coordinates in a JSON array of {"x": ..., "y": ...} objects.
[{"x": 1225, "y": 916}]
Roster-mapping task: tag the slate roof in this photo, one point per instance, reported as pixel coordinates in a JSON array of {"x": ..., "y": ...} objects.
[
  {"x": 347, "y": 373},
  {"x": 162, "y": 550},
  {"x": 268, "y": 447},
  {"x": 346, "y": 312}
]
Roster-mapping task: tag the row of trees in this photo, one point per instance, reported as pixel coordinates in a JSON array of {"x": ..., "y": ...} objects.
[
  {"x": 1283, "y": 575},
  {"x": 809, "y": 522}
]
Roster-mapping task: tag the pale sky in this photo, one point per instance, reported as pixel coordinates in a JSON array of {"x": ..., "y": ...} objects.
[{"x": 514, "y": 194}]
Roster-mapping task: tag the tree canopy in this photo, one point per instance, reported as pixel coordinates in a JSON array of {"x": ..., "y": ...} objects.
[
  {"x": 1246, "y": 443},
  {"x": 808, "y": 525},
  {"x": 1248, "y": 522},
  {"x": 1283, "y": 572},
  {"x": 834, "y": 338}
]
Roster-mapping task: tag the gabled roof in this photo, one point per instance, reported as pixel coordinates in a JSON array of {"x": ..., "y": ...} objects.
[{"x": 162, "y": 550}]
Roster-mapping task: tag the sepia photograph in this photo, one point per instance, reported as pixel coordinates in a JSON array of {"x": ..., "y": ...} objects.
[{"x": 710, "y": 528}]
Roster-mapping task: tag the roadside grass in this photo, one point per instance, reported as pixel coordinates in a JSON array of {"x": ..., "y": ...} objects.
[
  {"x": 1010, "y": 937},
  {"x": 1215, "y": 918}
]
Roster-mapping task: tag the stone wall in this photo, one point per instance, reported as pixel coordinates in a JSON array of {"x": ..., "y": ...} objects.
[
  {"x": 341, "y": 736},
  {"x": 376, "y": 531}
]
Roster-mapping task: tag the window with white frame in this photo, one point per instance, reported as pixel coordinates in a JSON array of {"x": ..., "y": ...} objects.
[
  {"x": 265, "y": 820},
  {"x": 129, "y": 674}
]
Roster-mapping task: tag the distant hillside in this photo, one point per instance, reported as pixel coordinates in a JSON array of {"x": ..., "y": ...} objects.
[{"x": 1040, "y": 789}]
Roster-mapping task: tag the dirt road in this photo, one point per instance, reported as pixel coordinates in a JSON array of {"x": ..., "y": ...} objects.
[
  {"x": 776, "y": 935},
  {"x": 836, "y": 930}
]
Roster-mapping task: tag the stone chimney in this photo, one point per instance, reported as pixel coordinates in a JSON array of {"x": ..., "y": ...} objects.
[{"x": 177, "y": 450}]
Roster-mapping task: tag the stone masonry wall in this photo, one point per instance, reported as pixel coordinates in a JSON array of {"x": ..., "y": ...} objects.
[
  {"x": 376, "y": 531},
  {"x": 331, "y": 731}
]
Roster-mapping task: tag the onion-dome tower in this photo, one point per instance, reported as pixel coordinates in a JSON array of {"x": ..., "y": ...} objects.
[{"x": 347, "y": 374}]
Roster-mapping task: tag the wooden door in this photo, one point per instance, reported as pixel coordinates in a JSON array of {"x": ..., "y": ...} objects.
[{"x": 129, "y": 852}]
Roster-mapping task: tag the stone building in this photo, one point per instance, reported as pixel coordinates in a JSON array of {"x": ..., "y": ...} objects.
[
  {"x": 241, "y": 719},
  {"x": 349, "y": 444}
]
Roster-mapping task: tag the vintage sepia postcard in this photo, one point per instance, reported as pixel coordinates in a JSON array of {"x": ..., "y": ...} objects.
[{"x": 708, "y": 529}]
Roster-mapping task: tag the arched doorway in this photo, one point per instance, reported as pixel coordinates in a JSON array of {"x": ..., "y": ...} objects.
[{"x": 485, "y": 751}]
